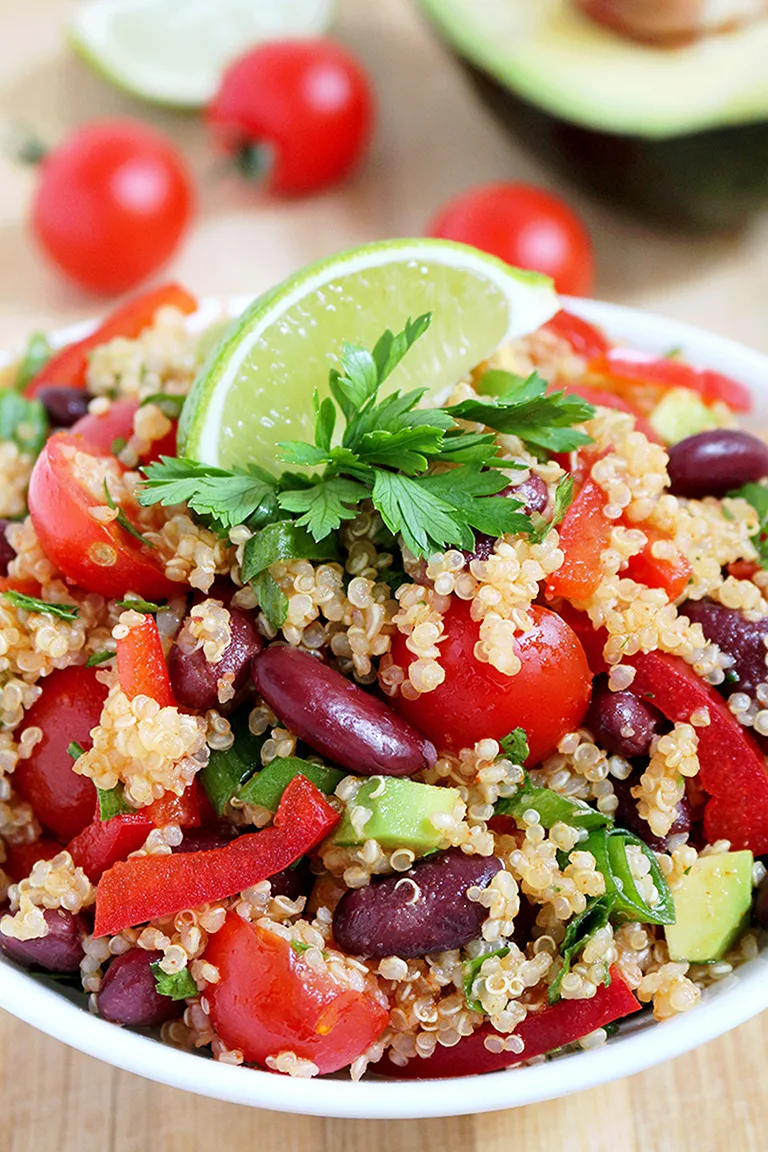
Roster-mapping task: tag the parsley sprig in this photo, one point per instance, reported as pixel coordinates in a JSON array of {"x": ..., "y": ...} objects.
[{"x": 434, "y": 482}]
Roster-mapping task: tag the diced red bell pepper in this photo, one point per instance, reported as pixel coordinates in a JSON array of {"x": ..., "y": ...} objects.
[
  {"x": 104, "y": 842},
  {"x": 732, "y": 770},
  {"x": 562, "y": 1023},
  {"x": 636, "y": 367},
  {"x": 146, "y": 887},
  {"x": 653, "y": 571},
  {"x": 584, "y": 534},
  {"x": 172, "y": 809},
  {"x": 583, "y": 337},
  {"x": 141, "y": 666},
  {"x": 593, "y": 640},
  {"x": 20, "y": 858},
  {"x": 70, "y": 364}
]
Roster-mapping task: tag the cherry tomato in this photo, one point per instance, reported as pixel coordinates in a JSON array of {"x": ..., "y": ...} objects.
[
  {"x": 112, "y": 205},
  {"x": 20, "y": 859},
  {"x": 103, "y": 558},
  {"x": 109, "y": 428},
  {"x": 547, "y": 697},
  {"x": 297, "y": 112},
  {"x": 70, "y": 706},
  {"x": 269, "y": 1000},
  {"x": 526, "y": 227}
]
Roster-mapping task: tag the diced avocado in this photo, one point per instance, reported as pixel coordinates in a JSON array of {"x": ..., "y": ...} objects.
[
  {"x": 400, "y": 814},
  {"x": 681, "y": 414},
  {"x": 711, "y": 902}
]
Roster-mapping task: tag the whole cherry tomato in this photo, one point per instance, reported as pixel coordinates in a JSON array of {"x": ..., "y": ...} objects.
[
  {"x": 547, "y": 697},
  {"x": 298, "y": 113},
  {"x": 112, "y": 204},
  {"x": 103, "y": 558},
  {"x": 67, "y": 710},
  {"x": 269, "y": 1000},
  {"x": 526, "y": 227}
]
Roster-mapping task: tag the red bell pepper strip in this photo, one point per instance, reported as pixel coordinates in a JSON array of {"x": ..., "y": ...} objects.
[
  {"x": 638, "y": 368},
  {"x": 583, "y": 337},
  {"x": 103, "y": 842},
  {"x": 141, "y": 666},
  {"x": 563, "y": 1023},
  {"x": 732, "y": 770},
  {"x": 146, "y": 887},
  {"x": 584, "y": 534},
  {"x": 653, "y": 571},
  {"x": 70, "y": 364},
  {"x": 20, "y": 858}
]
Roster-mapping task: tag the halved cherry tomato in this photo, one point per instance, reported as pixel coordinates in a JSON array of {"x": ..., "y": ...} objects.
[
  {"x": 743, "y": 569},
  {"x": 631, "y": 367},
  {"x": 129, "y": 320},
  {"x": 547, "y": 697},
  {"x": 69, "y": 707},
  {"x": 269, "y": 1000},
  {"x": 21, "y": 858},
  {"x": 584, "y": 534},
  {"x": 601, "y": 397},
  {"x": 106, "y": 430},
  {"x": 672, "y": 575},
  {"x": 102, "y": 558},
  {"x": 583, "y": 337}
]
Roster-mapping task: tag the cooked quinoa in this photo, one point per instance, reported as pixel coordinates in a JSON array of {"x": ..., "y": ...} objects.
[{"x": 550, "y": 818}]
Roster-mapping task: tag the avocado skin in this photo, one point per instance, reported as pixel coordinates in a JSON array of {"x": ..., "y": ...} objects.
[{"x": 699, "y": 182}]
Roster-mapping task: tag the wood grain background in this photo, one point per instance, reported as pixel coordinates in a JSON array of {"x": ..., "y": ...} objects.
[{"x": 433, "y": 140}]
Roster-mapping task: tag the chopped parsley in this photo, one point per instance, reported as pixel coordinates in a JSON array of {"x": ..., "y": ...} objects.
[
  {"x": 32, "y": 604},
  {"x": 386, "y": 454},
  {"x": 515, "y": 746},
  {"x": 757, "y": 496},
  {"x": 178, "y": 986},
  {"x": 36, "y": 355},
  {"x": 99, "y": 658},
  {"x": 75, "y": 750},
  {"x": 123, "y": 520},
  {"x": 23, "y": 421},
  {"x": 138, "y": 606},
  {"x": 112, "y": 802}
]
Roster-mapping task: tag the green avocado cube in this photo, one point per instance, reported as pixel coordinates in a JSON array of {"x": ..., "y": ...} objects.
[
  {"x": 711, "y": 904},
  {"x": 400, "y": 814},
  {"x": 681, "y": 413}
]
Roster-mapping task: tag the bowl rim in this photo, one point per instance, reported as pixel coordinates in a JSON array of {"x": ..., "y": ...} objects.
[{"x": 638, "y": 1046}]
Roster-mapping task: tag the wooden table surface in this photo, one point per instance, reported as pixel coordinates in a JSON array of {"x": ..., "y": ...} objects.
[{"x": 433, "y": 140}]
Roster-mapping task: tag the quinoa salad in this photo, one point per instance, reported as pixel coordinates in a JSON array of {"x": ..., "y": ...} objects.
[{"x": 439, "y": 752}]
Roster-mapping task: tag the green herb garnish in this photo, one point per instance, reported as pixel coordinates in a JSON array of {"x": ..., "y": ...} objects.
[
  {"x": 32, "y": 604},
  {"x": 179, "y": 986},
  {"x": 145, "y": 606},
  {"x": 283, "y": 540},
  {"x": 75, "y": 750},
  {"x": 36, "y": 355},
  {"x": 99, "y": 658},
  {"x": 471, "y": 971},
  {"x": 171, "y": 406},
  {"x": 23, "y": 421},
  {"x": 515, "y": 746},
  {"x": 580, "y": 930},
  {"x": 112, "y": 802},
  {"x": 272, "y": 600},
  {"x": 757, "y": 496},
  {"x": 223, "y": 499},
  {"x": 123, "y": 520}
]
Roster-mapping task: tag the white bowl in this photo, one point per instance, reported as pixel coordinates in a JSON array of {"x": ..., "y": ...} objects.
[{"x": 639, "y": 1044}]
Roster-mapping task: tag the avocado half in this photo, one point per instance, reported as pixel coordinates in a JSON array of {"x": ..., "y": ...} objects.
[{"x": 679, "y": 134}]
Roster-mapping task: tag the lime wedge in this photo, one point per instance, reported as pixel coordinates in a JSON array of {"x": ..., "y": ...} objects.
[
  {"x": 173, "y": 52},
  {"x": 256, "y": 387}
]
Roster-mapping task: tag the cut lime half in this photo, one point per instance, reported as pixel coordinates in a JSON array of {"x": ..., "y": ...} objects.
[
  {"x": 256, "y": 387},
  {"x": 173, "y": 52}
]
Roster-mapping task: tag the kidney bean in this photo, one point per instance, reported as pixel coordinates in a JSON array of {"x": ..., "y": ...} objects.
[
  {"x": 413, "y": 913},
  {"x": 60, "y": 951},
  {"x": 195, "y": 681},
  {"x": 203, "y": 839},
  {"x": 293, "y": 882},
  {"x": 64, "y": 405},
  {"x": 760, "y": 907},
  {"x": 627, "y": 815},
  {"x": 712, "y": 463},
  {"x": 738, "y": 637},
  {"x": 7, "y": 552},
  {"x": 128, "y": 994},
  {"x": 533, "y": 494},
  {"x": 348, "y": 726},
  {"x": 621, "y": 722}
]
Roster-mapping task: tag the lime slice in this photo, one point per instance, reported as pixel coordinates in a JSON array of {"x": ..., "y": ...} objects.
[
  {"x": 256, "y": 387},
  {"x": 173, "y": 52}
]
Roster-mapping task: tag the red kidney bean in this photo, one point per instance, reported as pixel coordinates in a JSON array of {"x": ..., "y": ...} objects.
[
  {"x": 627, "y": 815},
  {"x": 203, "y": 839},
  {"x": 7, "y": 552},
  {"x": 338, "y": 719},
  {"x": 293, "y": 882},
  {"x": 738, "y": 637},
  {"x": 195, "y": 681},
  {"x": 621, "y": 722},
  {"x": 64, "y": 405},
  {"x": 712, "y": 463},
  {"x": 417, "y": 912},
  {"x": 128, "y": 994},
  {"x": 60, "y": 951},
  {"x": 532, "y": 493}
]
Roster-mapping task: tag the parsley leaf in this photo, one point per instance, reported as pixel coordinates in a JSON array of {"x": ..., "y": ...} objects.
[
  {"x": 100, "y": 658},
  {"x": 579, "y": 931},
  {"x": 757, "y": 496},
  {"x": 242, "y": 496},
  {"x": 542, "y": 420},
  {"x": 32, "y": 604},
  {"x": 283, "y": 540},
  {"x": 272, "y": 600},
  {"x": 123, "y": 520},
  {"x": 112, "y": 802},
  {"x": 23, "y": 421},
  {"x": 515, "y": 746},
  {"x": 168, "y": 403},
  {"x": 36, "y": 355},
  {"x": 75, "y": 750},
  {"x": 324, "y": 505},
  {"x": 425, "y": 521},
  {"x": 137, "y": 605},
  {"x": 179, "y": 985},
  {"x": 471, "y": 971}
]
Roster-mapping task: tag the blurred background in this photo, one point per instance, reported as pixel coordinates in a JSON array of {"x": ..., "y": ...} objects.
[{"x": 433, "y": 138}]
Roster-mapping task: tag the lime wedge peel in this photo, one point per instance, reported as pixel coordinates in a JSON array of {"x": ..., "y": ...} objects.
[
  {"x": 256, "y": 387},
  {"x": 173, "y": 52}
]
